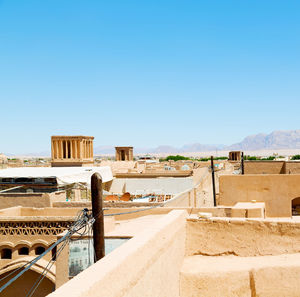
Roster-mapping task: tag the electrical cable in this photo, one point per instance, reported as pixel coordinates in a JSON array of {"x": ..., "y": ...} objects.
[
  {"x": 45, "y": 271},
  {"x": 81, "y": 220}
]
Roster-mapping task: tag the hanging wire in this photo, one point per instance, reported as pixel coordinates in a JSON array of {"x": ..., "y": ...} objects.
[
  {"x": 46, "y": 270},
  {"x": 84, "y": 221},
  {"x": 14, "y": 271},
  {"x": 81, "y": 221}
]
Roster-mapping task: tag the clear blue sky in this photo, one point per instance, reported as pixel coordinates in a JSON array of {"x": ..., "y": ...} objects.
[{"x": 146, "y": 73}]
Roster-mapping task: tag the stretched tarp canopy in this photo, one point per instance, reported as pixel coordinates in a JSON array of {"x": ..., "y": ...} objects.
[{"x": 63, "y": 175}]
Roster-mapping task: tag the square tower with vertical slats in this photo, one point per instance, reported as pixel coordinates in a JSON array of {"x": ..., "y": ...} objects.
[
  {"x": 124, "y": 153},
  {"x": 72, "y": 151}
]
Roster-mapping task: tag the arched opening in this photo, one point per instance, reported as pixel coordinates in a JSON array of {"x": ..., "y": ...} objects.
[
  {"x": 296, "y": 206},
  {"x": 6, "y": 254},
  {"x": 39, "y": 250},
  {"x": 24, "y": 283},
  {"x": 23, "y": 251}
]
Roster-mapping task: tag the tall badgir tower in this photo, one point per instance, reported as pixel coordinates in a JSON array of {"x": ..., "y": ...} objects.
[{"x": 68, "y": 151}]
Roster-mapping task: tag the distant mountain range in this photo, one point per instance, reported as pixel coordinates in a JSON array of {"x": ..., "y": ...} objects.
[
  {"x": 273, "y": 141},
  {"x": 163, "y": 149},
  {"x": 276, "y": 140}
]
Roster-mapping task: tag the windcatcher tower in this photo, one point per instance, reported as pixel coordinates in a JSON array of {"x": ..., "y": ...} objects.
[
  {"x": 72, "y": 151},
  {"x": 124, "y": 153}
]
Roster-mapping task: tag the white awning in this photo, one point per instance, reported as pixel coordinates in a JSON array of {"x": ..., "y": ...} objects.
[{"x": 63, "y": 175}]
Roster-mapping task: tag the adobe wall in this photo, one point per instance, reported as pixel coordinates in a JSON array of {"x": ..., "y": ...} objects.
[
  {"x": 193, "y": 197},
  {"x": 228, "y": 276},
  {"x": 12, "y": 211},
  {"x": 292, "y": 167},
  {"x": 23, "y": 199},
  {"x": 241, "y": 257},
  {"x": 146, "y": 265},
  {"x": 264, "y": 167},
  {"x": 276, "y": 190},
  {"x": 38, "y": 200},
  {"x": 271, "y": 167},
  {"x": 57, "y": 196},
  {"x": 241, "y": 237}
]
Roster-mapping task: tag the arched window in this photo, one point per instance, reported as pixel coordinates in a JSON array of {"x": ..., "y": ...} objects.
[
  {"x": 39, "y": 250},
  {"x": 6, "y": 253},
  {"x": 23, "y": 250}
]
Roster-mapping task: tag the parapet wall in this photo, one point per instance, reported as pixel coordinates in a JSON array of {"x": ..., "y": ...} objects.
[
  {"x": 271, "y": 167},
  {"x": 240, "y": 257},
  {"x": 146, "y": 265},
  {"x": 241, "y": 237}
]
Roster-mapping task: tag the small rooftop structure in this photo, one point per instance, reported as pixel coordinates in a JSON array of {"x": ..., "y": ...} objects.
[
  {"x": 235, "y": 156},
  {"x": 72, "y": 151},
  {"x": 124, "y": 153}
]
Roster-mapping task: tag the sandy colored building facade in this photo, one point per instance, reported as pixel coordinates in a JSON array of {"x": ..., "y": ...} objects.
[{"x": 277, "y": 191}]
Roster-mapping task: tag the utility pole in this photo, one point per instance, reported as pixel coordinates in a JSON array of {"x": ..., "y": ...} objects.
[
  {"x": 242, "y": 163},
  {"x": 213, "y": 179},
  {"x": 97, "y": 209}
]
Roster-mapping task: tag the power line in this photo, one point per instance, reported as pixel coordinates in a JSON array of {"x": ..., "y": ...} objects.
[
  {"x": 45, "y": 271},
  {"x": 81, "y": 220}
]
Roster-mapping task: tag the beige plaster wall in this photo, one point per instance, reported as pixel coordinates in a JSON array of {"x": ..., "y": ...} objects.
[
  {"x": 229, "y": 276},
  {"x": 292, "y": 167},
  {"x": 57, "y": 196},
  {"x": 192, "y": 197},
  {"x": 30, "y": 200},
  {"x": 241, "y": 257},
  {"x": 241, "y": 237},
  {"x": 50, "y": 211},
  {"x": 272, "y": 167},
  {"x": 26, "y": 200},
  {"x": 276, "y": 190},
  {"x": 11, "y": 211},
  {"x": 147, "y": 265},
  {"x": 264, "y": 167}
]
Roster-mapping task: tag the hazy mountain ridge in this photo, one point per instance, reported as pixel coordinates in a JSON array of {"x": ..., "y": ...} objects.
[
  {"x": 162, "y": 149},
  {"x": 289, "y": 139}
]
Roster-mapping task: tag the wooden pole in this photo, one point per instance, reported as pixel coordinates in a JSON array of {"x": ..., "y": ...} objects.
[
  {"x": 97, "y": 209},
  {"x": 243, "y": 168},
  {"x": 213, "y": 179}
]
